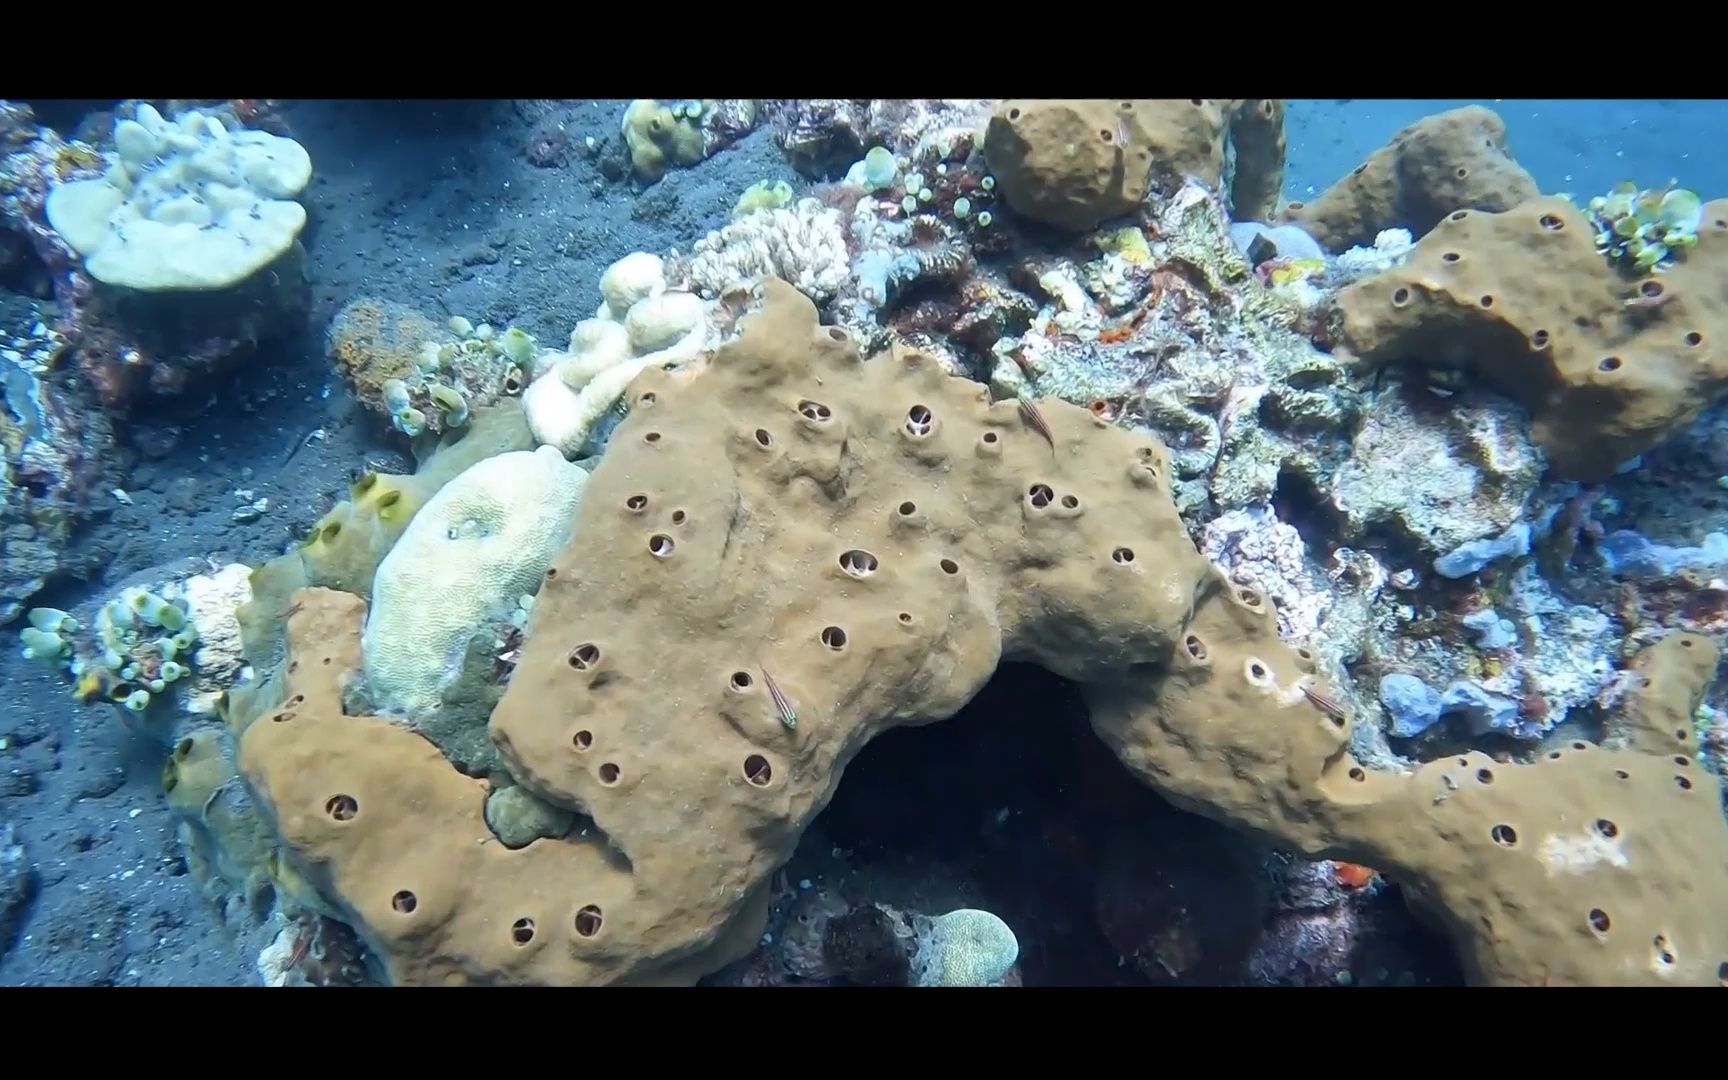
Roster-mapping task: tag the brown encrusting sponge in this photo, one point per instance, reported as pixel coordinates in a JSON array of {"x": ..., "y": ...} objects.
[
  {"x": 1591, "y": 867},
  {"x": 1073, "y": 163},
  {"x": 1607, "y": 364},
  {"x": 791, "y": 550},
  {"x": 1455, "y": 160}
]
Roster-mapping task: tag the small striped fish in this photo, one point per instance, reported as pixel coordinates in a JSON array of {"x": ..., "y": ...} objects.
[
  {"x": 1029, "y": 413},
  {"x": 1326, "y": 703},
  {"x": 788, "y": 716}
]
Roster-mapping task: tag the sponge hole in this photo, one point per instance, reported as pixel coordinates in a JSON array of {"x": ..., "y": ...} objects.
[
  {"x": 522, "y": 931},
  {"x": 588, "y": 920},
  {"x": 920, "y": 421},
  {"x": 858, "y": 562},
  {"x": 757, "y": 770},
  {"x": 1664, "y": 952},
  {"x": 584, "y": 656}
]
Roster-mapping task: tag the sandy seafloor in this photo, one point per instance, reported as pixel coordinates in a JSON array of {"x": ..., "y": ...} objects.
[{"x": 437, "y": 206}]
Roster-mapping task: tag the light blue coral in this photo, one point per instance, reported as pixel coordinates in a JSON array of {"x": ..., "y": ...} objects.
[
  {"x": 1413, "y": 707},
  {"x": 1634, "y": 555},
  {"x": 968, "y": 947}
]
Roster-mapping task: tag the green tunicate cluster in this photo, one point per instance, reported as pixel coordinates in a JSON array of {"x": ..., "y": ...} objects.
[
  {"x": 141, "y": 640},
  {"x": 140, "y": 645},
  {"x": 763, "y": 195},
  {"x": 48, "y": 637},
  {"x": 480, "y": 357},
  {"x": 927, "y": 194},
  {"x": 1646, "y": 230}
]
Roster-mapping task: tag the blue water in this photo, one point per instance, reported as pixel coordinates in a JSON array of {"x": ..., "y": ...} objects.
[{"x": 1579, "y": 146}]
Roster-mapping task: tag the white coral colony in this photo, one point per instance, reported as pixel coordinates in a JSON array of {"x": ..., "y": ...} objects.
[{"x": 187, "y": 205}]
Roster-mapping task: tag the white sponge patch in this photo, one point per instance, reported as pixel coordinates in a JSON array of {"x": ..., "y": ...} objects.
[{"x": 186, "y": 205}]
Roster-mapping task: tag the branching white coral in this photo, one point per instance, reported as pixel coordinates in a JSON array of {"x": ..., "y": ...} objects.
[
  {"x": 804, "y": 245},
  {"x": 1391, "y": 248}
]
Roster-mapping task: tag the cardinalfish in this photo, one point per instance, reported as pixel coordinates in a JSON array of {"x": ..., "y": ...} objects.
[
  {"x": 788, "y": 715},
  {"x": 1029, "y": 413}
]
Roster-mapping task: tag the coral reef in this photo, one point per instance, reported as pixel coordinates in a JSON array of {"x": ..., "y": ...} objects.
[
  {"x": 821, "y": 137},
  {"x": 58, "y": 460},
  {"x": 127, "y": 344},
  {"x": 880, "y": 472},
  {"x": 1181, "y": 340},
  {"x": 1390, "y": 576},
  {"x": 184, "y": 206}
]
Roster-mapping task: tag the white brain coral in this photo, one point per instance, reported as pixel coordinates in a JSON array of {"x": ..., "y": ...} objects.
[
  {"x": 804, "y": 244},
  {"x": 968, "y": 947},
  {"x": 476, "y": 547}
]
